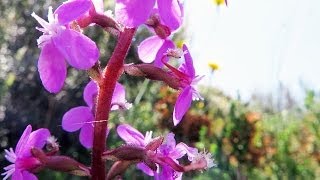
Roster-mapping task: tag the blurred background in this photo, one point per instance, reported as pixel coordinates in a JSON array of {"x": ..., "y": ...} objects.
[{"x": 261, "y": 114}]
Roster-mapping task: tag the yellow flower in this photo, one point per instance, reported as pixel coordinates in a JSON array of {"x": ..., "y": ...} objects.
[
  {"x": 220, "y": 2},
  {"x": 213, "y": 66}
]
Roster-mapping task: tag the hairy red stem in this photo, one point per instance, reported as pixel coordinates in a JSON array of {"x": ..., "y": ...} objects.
[{"x": 106, "y": 87}]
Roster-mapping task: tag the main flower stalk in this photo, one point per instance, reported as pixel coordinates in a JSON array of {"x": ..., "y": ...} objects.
[{"x": 107, "y": 84}]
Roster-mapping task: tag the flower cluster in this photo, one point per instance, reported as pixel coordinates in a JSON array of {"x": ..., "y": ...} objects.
[
  {"x": 82, "y": 117},
  {"x": 155, "y": 157},
  {"x": 62, "y": 41},
  {"x": 23, "y": 162}
]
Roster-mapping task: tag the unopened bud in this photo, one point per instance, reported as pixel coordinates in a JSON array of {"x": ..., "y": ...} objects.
[
  {"x": 125, "y": 153},
  {"x": 66, "y": 164},
  {"x": 118, "y": 168},
  {"x": 154, "y": 143},
  {"x": 152, "y": 72}
]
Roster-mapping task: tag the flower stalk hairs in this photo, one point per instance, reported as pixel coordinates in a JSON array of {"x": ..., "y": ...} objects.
[{"x": 62, "y": 42}]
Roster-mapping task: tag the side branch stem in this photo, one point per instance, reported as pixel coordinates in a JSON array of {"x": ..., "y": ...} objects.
[{"x": 106, "y": 87}]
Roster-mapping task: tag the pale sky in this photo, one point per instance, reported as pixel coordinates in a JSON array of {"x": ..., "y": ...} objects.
[{"x": 257, "y": 44}]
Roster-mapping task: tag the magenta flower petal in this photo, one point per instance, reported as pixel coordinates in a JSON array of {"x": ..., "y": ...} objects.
[
  {"x": 181, "y": 149},
  {"x": 182, "y": 104},
  {"x": 71, "y": 10},
  {"x": 167, "y": 44},
  {"x": 28, "y": 176},
  {"x": 52, "y": 68},
  {"x": 23, "y": 140},
  {"x": 170, "y": 142},
  {"x": 148, "y": 49},
  {"x": 171, "y": 13},
  {"x": 76, "y": 117},
  {"x": 167, "y": 173},
  {"x": 133, "y": 13},
  {"x": 187, "y": 67},
  {"x": 17, "y": 175},
  {"x": 145, "y": 169},
  {"x": 89, "y": 93},
  {"x": 36, "y": 139},
  {"x": 86, "y": 135},
  {"x": 119, "y": 94},
  {"x": 130, "y": 135},
  {"x": 79, "y": 50}
]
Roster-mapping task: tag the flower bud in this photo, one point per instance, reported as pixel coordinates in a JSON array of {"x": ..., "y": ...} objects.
[
  {"x": 61, "y": 163},
  {"x": 125, "y": 153},
  {"x": 155, "y": 143},
  {"x": 152, "y": 72},
  {"x": 118, "y": 168}
]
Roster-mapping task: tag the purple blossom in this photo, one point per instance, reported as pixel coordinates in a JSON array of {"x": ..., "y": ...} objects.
[
  {"x": 21, "y": 158},
  {"x": 169, "y": 150},
  {"x": 153, "y": 48},
  {"x": 173, "y": 151},
  {"x": 60, "y": 42},
  {"x": 82, "y": 117},
  {"x": 132, "y": 136},
  {"x": 188, "y": 81},
  {"x": 135, "y": 12}
]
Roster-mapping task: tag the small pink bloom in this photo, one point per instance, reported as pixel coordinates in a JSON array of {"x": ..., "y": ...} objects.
[
  {"x": 82, "y": 117},
  {"x": 21, "y": 158},
  {"x": 60, "y": 43},
  {"x": 135, "y": 12},
  {"x": 188, "y": 81}
]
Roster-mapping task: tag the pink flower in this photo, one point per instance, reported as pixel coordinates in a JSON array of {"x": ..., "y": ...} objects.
[
  {"x": 188, "y": 80},
  {"x": 166, "y": 155},
  {"x": 60, "y": 42},
  {"x": 132, "y": 136},
  {"x": 133, "y": 13},
  {"x": 153, "y": 48},
  {"x": 168, "y": 151},
  {"x": 21, "y": 158},
  {"x": 82, "y": 117}
]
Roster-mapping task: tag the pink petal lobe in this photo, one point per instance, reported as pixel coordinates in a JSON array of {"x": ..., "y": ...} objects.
[
  {"x": 182, "y": 104},
  {"x": 148, "y": 49},
  {"x": 52, "y": 68},
  {"x": 76, "y": 117},
  {"x": 119, "y": 96},
  {"x": 130, "y": 135},
  {"x": 171, "y": 13},
  {"x": 145, "y": 169},
  {"x": 86, "y": 135},
  {"x": 36, "y": 139},
  {"x": 79, "y": 50},
  {"x": 28, "y": 176},
  {"x": 90, "y": 93},
  {"x": 187, "y": 67},
  {"x": 23, "y": 140},
  {"x": 168, "y": 44},
  {"x": 17, "y": 175},
  {"x": 181, "y": 149},
  {"x": 71, "y": 10},
  {"x": 133, "y": 13}
]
